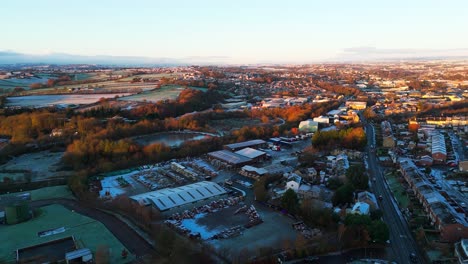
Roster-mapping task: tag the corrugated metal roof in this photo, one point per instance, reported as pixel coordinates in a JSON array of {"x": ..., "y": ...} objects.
[
  {"x": 250, "y": 153},
  {"x": 246, "y": 144},
  {"x": 229, "y": 157},
  {"x": 172, "y": 197}
]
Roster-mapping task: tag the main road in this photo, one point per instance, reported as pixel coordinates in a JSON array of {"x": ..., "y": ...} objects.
[{"x": 402, "y": 244}]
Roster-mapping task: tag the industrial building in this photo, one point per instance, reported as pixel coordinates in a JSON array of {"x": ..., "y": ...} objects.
[
  {"x": 439, "y": 151},
  {"x": 169, "y": 198},
  {"x": 256, "y": 143},
  {"x": 253, "y": 154},
  {"x": 62, "y": 250},
  {"x": 15, "y": 209},
  {"x": 308, "y": 126},
  {"x": 229, "y": 157},
  {"x": 253, "y": 172},
  {"x": 322, "y": 119},
  {"x": 356, "y": 105}
]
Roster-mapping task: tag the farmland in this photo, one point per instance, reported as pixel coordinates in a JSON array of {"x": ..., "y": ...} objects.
[
  {"x": 101, "y": 83},
  {"x": 9, "y": 84},
  {"x": 168, "y": 92},
  {"x": 48, "y": 100},
  {"x": 151, "y": 75}
]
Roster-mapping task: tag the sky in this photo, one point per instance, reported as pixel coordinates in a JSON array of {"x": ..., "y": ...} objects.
[{"x": 240, "y": 31}]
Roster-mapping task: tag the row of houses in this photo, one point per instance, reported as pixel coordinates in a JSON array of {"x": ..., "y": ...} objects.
[
  {"x": 443, "y": 121},
  {"x": 444, "y": 213}
]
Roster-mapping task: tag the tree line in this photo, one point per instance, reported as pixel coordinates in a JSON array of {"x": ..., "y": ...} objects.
[{"x": 350, "y": 138}]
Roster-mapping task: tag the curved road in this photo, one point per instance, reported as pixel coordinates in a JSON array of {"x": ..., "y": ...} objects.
[
  {"x": 126, "y": 235},
  {"x": 401, "y": 239}
]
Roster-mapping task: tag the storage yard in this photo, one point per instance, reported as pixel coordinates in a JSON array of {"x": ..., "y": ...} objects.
[{"x": 193, "y": 196}]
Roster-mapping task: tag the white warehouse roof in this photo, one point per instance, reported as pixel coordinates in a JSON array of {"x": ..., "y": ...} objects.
[
  {"x": 166, "y": 199},
  {"x": 438, "y": 144},
  {"x": 250, "y": 153}
]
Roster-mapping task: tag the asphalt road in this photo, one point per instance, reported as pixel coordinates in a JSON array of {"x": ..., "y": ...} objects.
[
  {"x": 126, "y": 235},
  {"x": 402, "y": 243}
]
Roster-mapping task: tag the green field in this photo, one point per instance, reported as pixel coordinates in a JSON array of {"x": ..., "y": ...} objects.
[
  {"x": 88, "y": 233},
  {"x": 61, "y": 191},
  {"x": 397, "y": 190},
  {"x": 168, "y": 92}
]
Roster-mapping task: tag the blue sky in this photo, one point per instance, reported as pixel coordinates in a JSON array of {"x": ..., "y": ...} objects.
[{"x": 237, "y": 31}]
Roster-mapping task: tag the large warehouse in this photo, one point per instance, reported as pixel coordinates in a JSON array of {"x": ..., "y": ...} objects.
[
  {"x": 251, "y": 153},
  {"x": 169, "y": 198},
  {"x": 256, "y": 143},
  {"x": 229, "y": 157}
]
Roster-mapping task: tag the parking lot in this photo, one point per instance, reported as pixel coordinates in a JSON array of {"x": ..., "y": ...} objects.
[{"x": 273, "y": 232}]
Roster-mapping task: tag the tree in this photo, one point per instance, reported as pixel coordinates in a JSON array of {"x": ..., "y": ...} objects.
[
  {"x": 289, "y": 201},
  {"x": 18, "y": 89},
  {"x": 369, "y": 113},
  {"x": 352, "y": 138},
  {"x": 343, "y": 195},
  {"x": 378, "y": 231},
  {"x": 50, "y": 82},
  {"x": 357, "y": 177},
  {"x": 376, "y": 214},
  {"x": 35, "y": 85},
  {"x": 428, "y": 170},
  {"x": 334, "y": 183}
]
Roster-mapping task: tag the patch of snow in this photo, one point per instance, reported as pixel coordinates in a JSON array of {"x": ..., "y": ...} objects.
[
  {"x": 111, "y": 186},
  {"x": 194, "y": 227}
]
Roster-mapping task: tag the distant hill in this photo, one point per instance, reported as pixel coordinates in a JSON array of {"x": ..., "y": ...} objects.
[{"x": 11, "y": 57}]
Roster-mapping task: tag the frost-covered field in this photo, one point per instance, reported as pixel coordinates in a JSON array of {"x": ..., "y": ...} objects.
[
  {"x": 42, "y": 165},
  {"x": 168, "y": 92},
  {"x": 52, "y": 100}
]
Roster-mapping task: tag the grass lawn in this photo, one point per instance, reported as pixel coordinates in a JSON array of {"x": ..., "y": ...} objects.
[
  {"x": 397, "y": 190},
  {"x": 88, "y": 233},
  {"x": 61, "y": 191}
]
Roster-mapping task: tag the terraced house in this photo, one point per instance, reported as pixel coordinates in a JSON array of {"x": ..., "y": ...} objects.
[{"x": 446, "y": 215}]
